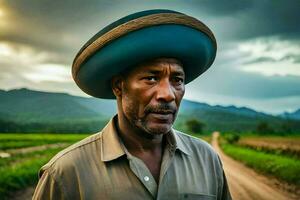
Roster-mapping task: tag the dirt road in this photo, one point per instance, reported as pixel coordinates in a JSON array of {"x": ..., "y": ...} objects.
[{"x": 246, "y": 184}]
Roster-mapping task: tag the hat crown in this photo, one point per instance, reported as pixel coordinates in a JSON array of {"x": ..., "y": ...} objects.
[
  {"x": 122, "y": 21},
  {"x": 139, "y": 37}
]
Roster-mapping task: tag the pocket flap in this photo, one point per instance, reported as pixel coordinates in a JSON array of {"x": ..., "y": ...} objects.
[{"x": 192, "y": 196}]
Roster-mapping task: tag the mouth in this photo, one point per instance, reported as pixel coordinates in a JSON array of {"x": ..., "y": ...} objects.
[
  {"x": 162, "y": 116},
  {"x": 163, "y": 112}
]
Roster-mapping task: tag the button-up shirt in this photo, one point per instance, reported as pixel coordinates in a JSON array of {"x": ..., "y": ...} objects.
[{"x": 100, "y": 167}]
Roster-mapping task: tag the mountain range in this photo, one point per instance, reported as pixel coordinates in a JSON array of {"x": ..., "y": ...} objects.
[{"x": 34, "y": 111}]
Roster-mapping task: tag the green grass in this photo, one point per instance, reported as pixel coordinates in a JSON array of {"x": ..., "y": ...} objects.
[
  {"x": 40, "y": 136},
  {"x": 14, "y": 140},
  {"x": 19, "y": 157},
  {"x": 284, "y": 168},
  {"x": 23, "y": 173},
  {"x": 280, "y": 145},
  {"x": 21, "y": 169},
  {"x": 295, "y": 154}
]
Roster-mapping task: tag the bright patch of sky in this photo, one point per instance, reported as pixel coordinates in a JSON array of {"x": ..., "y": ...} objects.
[
  {"x": 49, "y": 72},
  {"x": 271, "y": 56},
  {"x": 281, "y": 68}
]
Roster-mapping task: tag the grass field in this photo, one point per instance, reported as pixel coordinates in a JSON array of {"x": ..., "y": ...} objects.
[
  {"x": 17, "y": 140},
  {"x": 23, "y": 173},
  {"x": 18, "y": 169},
  {"x": 288, "y": 145},
  {"x": 271, "y": 158}
]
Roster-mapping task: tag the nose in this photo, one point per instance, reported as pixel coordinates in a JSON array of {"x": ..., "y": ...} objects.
[{"x": 165, "y": 91}]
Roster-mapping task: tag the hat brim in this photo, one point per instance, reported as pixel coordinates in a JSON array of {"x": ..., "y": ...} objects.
[{"x": 195, "y": 50}]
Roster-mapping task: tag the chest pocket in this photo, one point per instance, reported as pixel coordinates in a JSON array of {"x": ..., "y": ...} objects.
[{"x": 191, "y": 196}]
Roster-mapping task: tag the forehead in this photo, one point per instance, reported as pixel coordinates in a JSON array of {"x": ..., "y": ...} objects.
[{"x": 159, "y": 65}]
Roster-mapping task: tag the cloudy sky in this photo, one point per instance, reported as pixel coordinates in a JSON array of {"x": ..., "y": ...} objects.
[{"x": 257, "y": 64}]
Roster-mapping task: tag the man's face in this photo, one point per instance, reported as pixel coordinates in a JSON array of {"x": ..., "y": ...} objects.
[{"x": 151, "y": 95}]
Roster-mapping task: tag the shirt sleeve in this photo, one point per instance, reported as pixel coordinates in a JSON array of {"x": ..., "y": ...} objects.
[
  {"x": 48, "y": 188},
  {"x": 225, "y": 190}
]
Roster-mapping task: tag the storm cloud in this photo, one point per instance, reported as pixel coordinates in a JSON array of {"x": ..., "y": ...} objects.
[{"x": 258, "y": 59}]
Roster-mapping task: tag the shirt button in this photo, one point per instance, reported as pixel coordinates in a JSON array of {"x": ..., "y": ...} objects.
[{"x": 146, "y": 178}]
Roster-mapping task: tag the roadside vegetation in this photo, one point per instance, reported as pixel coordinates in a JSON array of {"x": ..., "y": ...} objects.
[
  {"x": 272, "y": 155},
  {"x": 195, "y": 128},
  {"x": 19, "y": 140},
  {"x": 279, "y": 145},
  {"x": 19, "y": 168},
  {"x": 19, "y": 174}
]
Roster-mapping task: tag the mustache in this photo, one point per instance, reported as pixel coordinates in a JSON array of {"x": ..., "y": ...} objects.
[{"x": 162, "y": 108}]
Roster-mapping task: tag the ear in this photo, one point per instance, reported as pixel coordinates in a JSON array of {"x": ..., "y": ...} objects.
[{"x": 116, "y": 85}]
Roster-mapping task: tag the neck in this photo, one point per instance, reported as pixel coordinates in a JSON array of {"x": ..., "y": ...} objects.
[{"x": 137, "y": 141}]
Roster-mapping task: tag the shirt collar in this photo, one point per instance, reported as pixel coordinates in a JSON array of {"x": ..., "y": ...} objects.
[
  {"x": 177, "y": 142},
  {"x": 112, "y": 147}
]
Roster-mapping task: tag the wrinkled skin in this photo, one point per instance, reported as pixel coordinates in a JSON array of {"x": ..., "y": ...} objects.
[{"x": 149, "y": 96}]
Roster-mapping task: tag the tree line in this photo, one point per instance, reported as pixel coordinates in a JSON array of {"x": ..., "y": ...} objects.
[
  {"x": 7, "y": 126},
  {"x": 196, "y": 126},
  {"x": 192, "y": 125}
]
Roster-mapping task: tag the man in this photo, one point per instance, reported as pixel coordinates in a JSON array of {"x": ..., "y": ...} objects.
[{"x": 144, "y": 61}]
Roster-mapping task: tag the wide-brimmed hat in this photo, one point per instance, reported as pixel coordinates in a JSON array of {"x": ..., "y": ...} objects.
[{"x": 140, "y": 37}]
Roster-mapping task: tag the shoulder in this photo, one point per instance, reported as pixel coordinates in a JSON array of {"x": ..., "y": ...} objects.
[
  {"x": 196, "y": 146},
  {"x": 79, "y": 152}
]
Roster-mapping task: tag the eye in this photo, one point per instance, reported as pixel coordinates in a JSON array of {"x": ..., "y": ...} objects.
[
  {"x": 151, "y": 78},
  {"x": 178, "y": 80}
]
